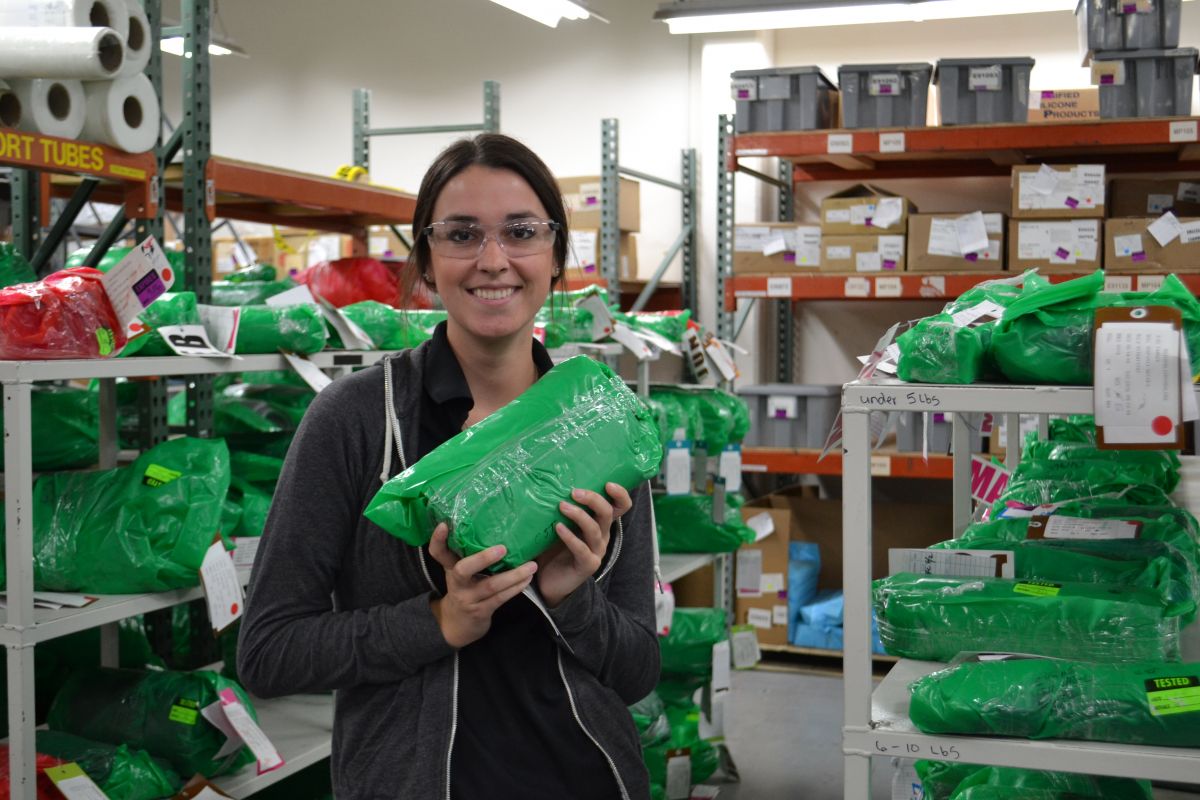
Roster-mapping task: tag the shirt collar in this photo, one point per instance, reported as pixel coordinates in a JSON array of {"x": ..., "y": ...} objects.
[{"x": 444, "y": 379}]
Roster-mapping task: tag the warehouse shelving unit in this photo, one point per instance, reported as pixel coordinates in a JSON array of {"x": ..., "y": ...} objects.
[
  {"x": 876, "y": 719},
  {"x": 808, "y": 461}
]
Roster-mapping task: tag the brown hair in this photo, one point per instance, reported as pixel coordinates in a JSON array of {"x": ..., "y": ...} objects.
[{"x": 496, "y": 151}]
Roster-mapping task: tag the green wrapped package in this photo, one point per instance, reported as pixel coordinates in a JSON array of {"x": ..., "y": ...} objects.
[
  {"x": 670, "y": 325},
  {"x": 65, "y": 427},
  {"x": 172, "y": 308},
  {"x": 266, "y": 329},
  {"x": 1045, "y": 335},
  {"x": 255, "y": 273},
  {"x": 1054, "y": 485},
  {"x": 714, "y": 417},
  {"x": 564, "y": 324},
  {"x": 685, "y": 733},
  {"x": 121, "y": 772},
  {"x": 1146, "y": 703},
  {"x": 943, "y": 780},
  {"x": 158, "y": 712},
  {"x": 501, "y": 481},
  {"x": 389, "y": 328},
  {"x": 687, "y": 649},
  {"x": 14, "y": 268},
  {"x": 247, "y": 293},
  {"x": 936, "y": 618},
  {"x": 140, "y": 528},
  {"x": 650, "y": 718},
  {"x": 685, "y": 525},
  {"x": 939, "y": 350},
  {"x": 1157, "y": 467}
]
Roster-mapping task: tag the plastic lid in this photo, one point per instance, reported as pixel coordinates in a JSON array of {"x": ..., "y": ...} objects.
[
  {"x": 780, "y": 71},
  {"x": 1121, "y": 55},
  {"x": 981, "y": 62},
  {"x": 885, "y": 68}
]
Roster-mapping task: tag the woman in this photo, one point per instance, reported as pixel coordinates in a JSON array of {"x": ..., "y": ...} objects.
[{"x": 450, "y": 684}]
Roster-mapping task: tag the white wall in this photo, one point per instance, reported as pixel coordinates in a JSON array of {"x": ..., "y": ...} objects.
[{"x": 289, "y": 103}]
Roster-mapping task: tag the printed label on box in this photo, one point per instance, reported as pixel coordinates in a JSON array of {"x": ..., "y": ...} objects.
[
  {"x": 772, "y": 583},
  {"x": 1158, "y": 203},
  {"x": 759, "y": 618},
  {"x": 839, "y": 252},
  {"x": 985, "y": 79},
  {"x": 1189, "y": 232},
  {"x": 868, "y": 262},
  {"x": 1165, "y": 229},
  {"x": 943, "y": 238},
  {"x": 808, "y": 246},
  {"x": 749, "y": 572},
  {"x": 779, "y": 615},
  {"x": 862, "y": 214},
  {"x": 746, "y": 239},
  {"x": 1127, "y": 245},
  {"x": 782, "y": 406},
  {"x": 884, "y": 84},
  {"x": 1188, "y": 192},
  {"x": 744, "y": 89},
  {"x": 1108, "y": 73}
]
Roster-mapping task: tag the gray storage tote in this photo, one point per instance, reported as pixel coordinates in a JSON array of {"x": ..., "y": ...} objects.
[
  {"x": 1103, "y": 26},
  {"x": 884, "y": 95},
  {"x": 782, "y": 99},
  {"x": 1158, "y": 83},
  {"x": 980, "y": 90},
  {"x": 816, "y": 407}
]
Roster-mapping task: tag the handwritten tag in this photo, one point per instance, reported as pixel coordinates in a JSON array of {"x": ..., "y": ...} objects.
[
  {"x": 222, "y": 589},
  {"x": 955, "y": 563},
  {"x": 138, "y": 279},
  {"x": 246, "y": 550},
  {"x": 268, "y": 757}
]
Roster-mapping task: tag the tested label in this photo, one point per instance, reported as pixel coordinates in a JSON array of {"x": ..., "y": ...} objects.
[
  {"x": 1037, "y": 588},
  {"x": 1175, "y": 695}
]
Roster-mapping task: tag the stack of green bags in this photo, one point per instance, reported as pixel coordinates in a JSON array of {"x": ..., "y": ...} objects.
[{"x": 944, "y": 780}]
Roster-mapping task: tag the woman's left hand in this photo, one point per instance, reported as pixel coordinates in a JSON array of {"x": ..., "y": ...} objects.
[{"x": 576, "y": 556}]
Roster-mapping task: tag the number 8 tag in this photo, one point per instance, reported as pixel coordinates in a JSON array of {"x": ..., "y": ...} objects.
[{"x": 190, "y": 340}]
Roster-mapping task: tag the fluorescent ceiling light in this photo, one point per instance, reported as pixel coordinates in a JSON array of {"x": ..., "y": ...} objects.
[
  {"x": 174, "y": 46},
  {"x": 717, "y": 17},
  {"x": 547, "y": 12}
]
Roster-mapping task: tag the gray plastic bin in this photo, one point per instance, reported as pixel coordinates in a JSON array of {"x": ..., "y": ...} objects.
[
  {"x": 884, "y": 95},
  {"x": 782, "y": 99},
  {"x": 1158, "y": 83},
  {"x": 975, "y": 90},
  {"x": 816, "y": 409},
  {"x": 1103, "y": 26}
]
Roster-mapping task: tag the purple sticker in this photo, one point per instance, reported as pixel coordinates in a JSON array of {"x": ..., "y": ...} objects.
[
  {"x": 885, "y": 89},
  {"x": 781, "y": 413},
  {"x": 148, "y": 288},
  {"x": 1139, "y": 256},
  {"x": 1108, "y": 80},
  {"x": 1129, "y": 8},
  {"x": 589, "y": 267},
  {"x": 789, "y": 258},
  {"x": 1048, "y": 95},
  {"x": 1072, "y": 202},
  {"x": 972, "y": 256},
  {"x": 870, "y": 222},
  {"x": 979, "y": 88},
  {"x": 1062, "y": 253},
  {"x": 592, "y": 200},
  {"x": 889, "y": 264},
  {"x": 939, "y": 419},
  {"x": 743, "y": 94}
]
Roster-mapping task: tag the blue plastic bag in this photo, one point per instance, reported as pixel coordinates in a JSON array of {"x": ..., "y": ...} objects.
[
  {"x": 825, "y": 610},
  {"x": 804, "y": 565}
]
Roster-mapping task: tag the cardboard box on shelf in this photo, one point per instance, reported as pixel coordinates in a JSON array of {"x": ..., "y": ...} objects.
[
  {"x": 229, "y": 256},
  {"x": 760, "y": 578},
  {"x": 583, "y": 254},
  {"x": 582, "y": 198},
  {"x": 296, "y": 250},
  {"x": 1055, "y": 245},
  {"x": 880, "y": 254},
  {"x": 935, "y": 244},
  {"x": 865, "y": 210},
  {"x": 1064, "y": 105},
  {"x": 1058, "y": 191},
  {"x": 1130, "y": 247},
  {"x": 776, "y": 248},
  {"x": 1140, "y": 197},
  {"x": 383, "y": 243}
]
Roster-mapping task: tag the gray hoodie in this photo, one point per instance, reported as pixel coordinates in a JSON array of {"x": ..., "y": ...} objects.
[{"x": 336, "y": 603}]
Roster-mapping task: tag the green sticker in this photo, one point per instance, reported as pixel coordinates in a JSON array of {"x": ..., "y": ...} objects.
[
  {"x": 185, "y": 711},
  {"x": 157, "y": 475},
  {"x": 1037, "y": 588},
  {"x": 1174, "y": 695},
  {"x": 105, "y": 340}
]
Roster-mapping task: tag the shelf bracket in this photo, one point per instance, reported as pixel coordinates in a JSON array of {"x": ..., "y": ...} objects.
[
  {"x": 1007, "y": 158},
  {"x": 850, "y": 163}
]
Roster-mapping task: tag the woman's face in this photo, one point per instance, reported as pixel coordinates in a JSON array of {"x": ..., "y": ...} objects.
[{"x": 493, "y": 294}]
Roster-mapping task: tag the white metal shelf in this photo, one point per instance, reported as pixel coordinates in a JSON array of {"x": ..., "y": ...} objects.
[
  {"x": 673, "y": 566},
  {"x": 301, "y": 728},
  {"x": 85, "y": 369}
]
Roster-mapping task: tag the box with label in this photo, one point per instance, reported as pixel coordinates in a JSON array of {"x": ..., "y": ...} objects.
[
  {"x": 1064, "y": 105},
  {"x": 783, "y": 99},
  {"x": 776, "y": 248},
  {"x": 1130, "y": 246},
  {"x": 229, "y": 255},
  {"x": 972, "y": 91},
  {"x": 1145, "y": 83},
  {"x": 581, "y": 196},
  {"x": 864, "y": 209},
  {"x": 882, "y": 254},
  {"x": 383, "y": 243},
  {"x": 1055, "y": 245},
  {"x": 760, "y": 575},
  {"x": 950, "y": 242},
  {"x": 583, "y": 254},
  {"x": 1143, "y": 197},
  {"x": 1058, "y": 191},
  {"x": 884, "y": 95}
]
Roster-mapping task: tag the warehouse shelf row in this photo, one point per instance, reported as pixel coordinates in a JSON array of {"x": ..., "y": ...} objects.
[
  {"x": 876, "y": 719},
  {"x": 808, "y": 461}
]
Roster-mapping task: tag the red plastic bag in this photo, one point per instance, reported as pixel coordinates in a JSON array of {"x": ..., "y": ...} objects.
[
  {"x": 352, "y": 280},
  {"x": 45, "y": 787},
  {"x": 65, "y": 315}
]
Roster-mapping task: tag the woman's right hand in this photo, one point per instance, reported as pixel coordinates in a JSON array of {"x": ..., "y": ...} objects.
[{"x": 464, "y": 613}]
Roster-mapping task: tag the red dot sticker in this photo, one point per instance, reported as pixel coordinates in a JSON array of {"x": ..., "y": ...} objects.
[
  {"x": 166, "y": 275},
  {"x": 233, "y": 609},
  {"x": 1162, "y": 426}
]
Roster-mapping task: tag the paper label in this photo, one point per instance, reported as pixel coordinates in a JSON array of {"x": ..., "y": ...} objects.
[
  {"x": 602, "y": 319},
  {"x": 1183, "y": 130},
  {"x": 1165, "y": 229},
  {"x": 721, "y": 358},
  {"x": 891, "y": 248},
  {"x": 862, "y": 214},
  {"x": 679, "y": 467},
  {"x": 772, "y": 583},
  {"x": 744, "y": 89},
  {"x": 307, "y": 370},
  {"x": 779, "y": 287},
  {"x": 1173, "y": 695},
  {"x": 776, "y": 245},
  {"x": 679, "y": 774},
  {"x": 985, "y": 79},
  {"x": 252, "y": 735},
  {"x": 222, "y": 325},
  {"x": 1127, "y": 245},
  {"x": 353, "y": 337},
  {"x": 720, "y": 666},
  {"x": 1087, "y": 239},
  {"x": 779, "y": 615},
  {"x": 1037, "y": 588},
  {"x": 1043, "y": 181},
  {"x": 157, "y": 475},
  {"x": 1135, "y": 7},
  {"x": 1188, "y": 192},
  {"x": 782, "y": 406},
  {"x": 762, "y": 525},
  {"x": 1118, "y": 283},
  {"x": 839, "y": 252},
  {"x": 972, "y": 233},
  {"x": 1108, "y": 73},
  {"x": 980, "y": 312},
  {"x": 884, "y": 84},
  {"x": 729, "y": 467},
  {"x": 1137, "y": 390},
  {"x": 222, "y": 589},
  {"x": 138, "y": 279},
  {"x": 185, "y": 711},
  {"x": 839, "y": 143},
  {"x": 868, "y": 262},
  {"x": 1189, "y": 232},
  {"x": 759, "y": 617},
  {"x": 1149, "y": 283},
  {"x": 245, "y": 552},
  {"x": 744, "y": 642},
  {"x": 1060, "y": 527},
  {"x": 943, "y": 238},
  {"x": 887, "y": 212},
  {"x": 906, "y": 784},
  {"x": 215, "y": 714},
  {"x": 751, "y": 239},
  {"x": 881, "y": 466},
  {"x": 632, "y": 342},
  {"x": 749, "y": 572},
  {"x": 955, "y": 563},
  {"x": 191, "y": 341},
  {"x": 808, "y": 246},
  {"x": 891, "y": 142},
  {"x": 889, "y": 286},
  {"x": 73, "y": 783},
  {"x": 1158, "y": 203},
  {"x": 857, "y": 287},
  {"x": 299, "y": 296}
]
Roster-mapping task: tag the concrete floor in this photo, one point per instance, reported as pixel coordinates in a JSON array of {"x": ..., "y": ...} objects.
[{"x": 783, "y": 730}]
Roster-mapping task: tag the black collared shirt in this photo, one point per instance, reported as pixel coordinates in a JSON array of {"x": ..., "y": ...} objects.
[{"x": 516, "y": 736}]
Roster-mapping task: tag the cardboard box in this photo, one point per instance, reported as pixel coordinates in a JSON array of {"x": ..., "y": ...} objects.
[
  {"x": 879, "y": 254},
  {"x": 760, "y": 578},
  {"x": 583, "y": 254},
  {"x": 784, "y": 248},
  {"x": 383, "y": 243},
  {"x": 1139, "y": 197},
  {"x": 1064, "y": 105},
  {"x": 933, "y": 245},
  {"x": 855, "y": 211},
  {"x": 1055, "y": 245},
  {"x": 582, "y": 198},
  {"x": 228, "y": 256},
  {"x": 1129, "y": 247},
  {"x": 1077, "y": 192}
]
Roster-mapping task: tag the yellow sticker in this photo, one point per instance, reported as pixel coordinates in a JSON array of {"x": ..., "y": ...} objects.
[
  {"x": 185, "y": 711},
  {"x": 157, "y": 475},
  {"x": 1174, "y": 695},
  {"x": 65, "y": 772},
  {"x": 127, "y": 172},
  {"x": 1037, "y": 588}
]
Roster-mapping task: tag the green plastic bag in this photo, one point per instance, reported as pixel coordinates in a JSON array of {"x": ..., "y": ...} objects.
[
  {"x": 1147, "y": 703},
  {"x": 247, "y": 293},
  {"x": 943, "y": 780},
  {"x": 266, "y": 329},
  {"x": 65, "y": 427},
  {"x": 154, "y": 711},
  {"x": 172, "y": 308},
  {"x": 939, "y": 350},
  {"x": 936, "y": 618},
  {"x": 500, "y": 482},
  {"x": 715, "y": 417},
  {"x": 255, "y": 273},
  {"x": 685, "y": 525},
  {"x": 121, "y": 772},
  {"x": 687, "y": 649},
  {"x": 389, "y": 328},
  {"x": 685, "y": 733},
  {"x": 1158, "y": 467},
  {"x": 14, "y": 268},
  {"x": 670, "y": 325},
  {"x": 141, "y": 528},
  {"x": 650, "y": 717},
  {"x": 564, "y": 324}
]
